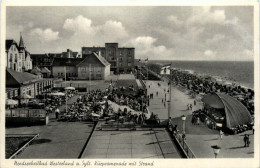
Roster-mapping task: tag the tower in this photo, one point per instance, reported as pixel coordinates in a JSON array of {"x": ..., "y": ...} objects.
[{"x": 21, "y": 44}]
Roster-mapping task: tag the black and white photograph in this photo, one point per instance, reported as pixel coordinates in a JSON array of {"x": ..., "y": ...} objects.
[{"x": 143, "y": 82}]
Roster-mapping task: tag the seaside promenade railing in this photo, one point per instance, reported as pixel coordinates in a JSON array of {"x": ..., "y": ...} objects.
[
  {"x": 181, "y": 141},
  {"x": 184, "y": 146}
]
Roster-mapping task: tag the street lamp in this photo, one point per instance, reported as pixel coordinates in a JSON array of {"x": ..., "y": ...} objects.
[
  {"x": 216, "y": 150},
  {"x": 183, "y": 118}
]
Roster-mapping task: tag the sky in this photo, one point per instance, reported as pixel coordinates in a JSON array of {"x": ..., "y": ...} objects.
[{"x": 222, "y": 33}]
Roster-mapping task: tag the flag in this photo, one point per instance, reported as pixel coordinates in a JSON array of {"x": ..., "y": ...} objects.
[
  {"x": 165, "y": 70},
  {"x": 146, "y": 60}
]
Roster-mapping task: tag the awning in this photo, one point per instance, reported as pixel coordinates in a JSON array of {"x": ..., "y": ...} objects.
[
  {"x": 11, "y": 102},
  {"x": 58, "y": 94},
  {"x": 69, "y": 88}
]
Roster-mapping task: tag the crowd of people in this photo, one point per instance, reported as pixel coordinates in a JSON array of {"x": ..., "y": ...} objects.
[
  {"x": 201, "y": 116},
  {"x": 197, "y": 84}
]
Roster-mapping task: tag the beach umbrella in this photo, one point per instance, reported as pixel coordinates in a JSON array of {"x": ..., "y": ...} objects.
[
  {"x": 95, "y": 115},
  {"x": 11, "y": 102},
  {"x": 70, "y": 88}
]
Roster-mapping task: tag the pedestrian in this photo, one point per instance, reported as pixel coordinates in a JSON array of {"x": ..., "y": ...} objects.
[
  {"x": 57, "y": 112},
  {"x": 162, "y": 100},
  {"x": 253, "y": 129},
  {"x": 195, "y": 102},
  {"x": 157, "y": 93},
  {"x": 193, "y": 120},
  {"x": 245, "y": 140},
  {"x": 220, "y": 134},
  {"x": 170, "y": 124},
  {"x": 183, "y": 136},
  {"x": 149, "y": 86},
  {"x": 190, "y": 106},
  {"x": 164, "y": 104},
  {"x": 198, "y": 121},
  {"x": 248, "y": 140}
]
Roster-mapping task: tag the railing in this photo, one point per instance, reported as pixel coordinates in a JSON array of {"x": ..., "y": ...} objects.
[
  {"x": 34, "y": 136},
  {"x": 184, "y": 146}
]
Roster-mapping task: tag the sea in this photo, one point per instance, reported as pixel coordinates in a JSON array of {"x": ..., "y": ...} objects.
[{"x": 238, "y": 72}]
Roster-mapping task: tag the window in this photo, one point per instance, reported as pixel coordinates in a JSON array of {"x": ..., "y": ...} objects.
[
  {"x": 121, "y": 65},
  {"x": 58, "y": 74},
  {"x": 120, "y": 59},
  {"x": 14, "y": 48},
  {"x": 129, "y": 64},
  {"x": 120, "y": 52},
  {"x": 20, "y": 56},
  {"x": 11, "y": 57},
  {"x": 19, "y": 64},
  {"x": 61, "y": 74},
  {"x": 15, "y": 57},
  {"x": 129, "y": 52}
]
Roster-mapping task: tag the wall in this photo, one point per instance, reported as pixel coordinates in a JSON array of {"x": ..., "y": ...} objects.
[{"x": 59, "y": 71}]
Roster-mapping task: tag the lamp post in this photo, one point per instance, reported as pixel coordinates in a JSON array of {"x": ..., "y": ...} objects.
[
  {"x": 183, "y": 118},
  {"x": 216, "y": 150}
]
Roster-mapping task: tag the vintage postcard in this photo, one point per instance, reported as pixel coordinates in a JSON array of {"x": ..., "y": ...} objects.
[{"x": 129, "y": 84}]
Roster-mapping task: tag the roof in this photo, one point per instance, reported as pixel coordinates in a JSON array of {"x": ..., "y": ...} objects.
[
  {"x": 14, "y": 78},
  {"x": 87, "y": 59},
  {"x": 9, "y": 43},
  {"x": 45, "y": 70},
  {"x": 21, "y": 44},
  {"x": 38, "y": 55},
  {"x": 66, "y": 61},
  {"x": 236, "y": 113},
  {"x": 36, "y": 70}
]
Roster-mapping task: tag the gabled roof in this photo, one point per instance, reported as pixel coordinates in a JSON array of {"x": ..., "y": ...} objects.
[
  {"x": 9, "y": 43},
  {"x": 66, "y": 61},
  {"x": 14, "y": 78},
  {"x": 102, "y": 60},
  {"x": 45, "y": 70},
  {"x": 36, "y": 71}
]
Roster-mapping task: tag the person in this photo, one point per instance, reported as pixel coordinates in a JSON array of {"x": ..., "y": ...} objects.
[
  {"x": 57, "y": 112},
  {"x": 245, "y": 140},
  {"x": 157, "y": 93},
  {"x": 195, "y": 102},
  {"x": 170, "y": 124},
  {"x": 183, "y": 136},
  {"x": 248, "y": 140},
  {"x": 162, "y": 100},
  {"x": 253, "y": 129},
  {"x": 164, "y": 104},
  {"x": 175, "y": 129},
  {"x": 220, "y": 134}
]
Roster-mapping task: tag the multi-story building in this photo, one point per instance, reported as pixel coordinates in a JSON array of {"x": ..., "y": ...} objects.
[
  {"x": 92, "y": 66},
  {"x": 67, "y": 54},
  {"x": 17, "y": 57},
  {"x": 120, "y": 58},
  {"x": 42, "y": 61}
]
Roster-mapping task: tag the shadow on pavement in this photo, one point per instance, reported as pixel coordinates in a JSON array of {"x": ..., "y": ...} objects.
[
  {"x": 40, "y": 141},
  {"x": 237, "y": 147}
]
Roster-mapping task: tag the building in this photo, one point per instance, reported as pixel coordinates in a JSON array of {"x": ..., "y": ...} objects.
[
  {"x": 67, "y": 54},
  {"x": 94, "y": 67},
  {"x": 42, "y": 61},
  {"x": 24, "y": 83},
  {"x": 120, "y": 58},
  {"x": 62, "y": 66},
  {"x": 81, "y": 68},
  {"x": 17, "y": 57}
]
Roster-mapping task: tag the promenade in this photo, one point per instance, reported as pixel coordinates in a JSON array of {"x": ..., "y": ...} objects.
[
  {"x": 199, "y": 137},
  {"x": 57, "y": 139},
  {"x": 124, "y": 143}
]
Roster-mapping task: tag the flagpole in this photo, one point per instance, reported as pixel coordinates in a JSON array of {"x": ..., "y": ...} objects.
[
  {"x": 147, "y": 68},
  {"x": 65, "y": 87},
  {"x": 170, "y": 98}
]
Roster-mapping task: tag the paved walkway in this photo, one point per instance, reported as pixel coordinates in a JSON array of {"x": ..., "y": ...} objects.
[
  {"x": 131, "y": 144},
  {"x": 57, "y": 139},
  {"x": 199, "y": 137}
]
